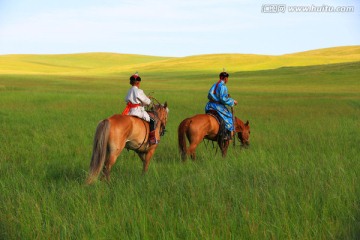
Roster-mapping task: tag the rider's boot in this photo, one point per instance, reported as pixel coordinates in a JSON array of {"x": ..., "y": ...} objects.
[{"x": 152, "y": 137}]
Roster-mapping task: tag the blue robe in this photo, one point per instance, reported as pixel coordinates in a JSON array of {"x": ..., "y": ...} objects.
[{"x": 218, "y": 100}]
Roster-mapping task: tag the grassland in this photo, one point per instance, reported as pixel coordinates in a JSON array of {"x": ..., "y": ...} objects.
[
  {"x": 91, "y": 64},
  {"x": 298, "y": 180}
]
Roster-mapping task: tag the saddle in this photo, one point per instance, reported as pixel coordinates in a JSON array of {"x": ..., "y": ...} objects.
[
  {"x": 215, "y": 114},
  {"x": 222, "y": 135},
  {"x": 152, "y": 125}
]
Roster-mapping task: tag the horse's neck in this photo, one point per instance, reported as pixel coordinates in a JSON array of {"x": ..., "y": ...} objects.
[
  {"x": 155, "y": 116},
  {"x": 239, "y": 125}
]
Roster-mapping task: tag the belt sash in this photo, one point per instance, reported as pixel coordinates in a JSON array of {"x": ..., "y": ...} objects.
[{"x": 129, "y": 105}]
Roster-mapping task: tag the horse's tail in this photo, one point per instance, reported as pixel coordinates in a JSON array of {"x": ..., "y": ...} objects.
[
  {"x": 183, "y": 127},
  {"x": 99, "y": 150}
]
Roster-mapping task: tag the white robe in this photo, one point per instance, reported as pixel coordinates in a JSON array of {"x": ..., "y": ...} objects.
[{"x": 137, "y": 96}]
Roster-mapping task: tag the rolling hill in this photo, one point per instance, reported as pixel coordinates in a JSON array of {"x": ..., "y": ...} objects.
[{"x": 113, "y": 63}]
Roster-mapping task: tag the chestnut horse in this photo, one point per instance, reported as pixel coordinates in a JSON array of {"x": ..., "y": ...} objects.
[
  {"x": 123, "y": 131},
  {"x": 205, "y": 126}
]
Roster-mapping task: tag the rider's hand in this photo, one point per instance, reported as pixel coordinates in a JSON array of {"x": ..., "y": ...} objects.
[{"x": 235, "y": 102}]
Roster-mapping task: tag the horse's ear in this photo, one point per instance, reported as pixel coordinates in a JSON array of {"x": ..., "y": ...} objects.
[
  {"x": 165, "y": 105},
  {"x": 247, "y": 122}
]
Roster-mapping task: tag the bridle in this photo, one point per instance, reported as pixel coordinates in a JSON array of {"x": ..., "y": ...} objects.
[
  {"x": 162, "y": 123},
  {"x": 239, "y": 134},
  {"x": 153, "y": 109}
]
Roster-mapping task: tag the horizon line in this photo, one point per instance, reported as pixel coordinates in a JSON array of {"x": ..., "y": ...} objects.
[{"x": 150, "y": 55}]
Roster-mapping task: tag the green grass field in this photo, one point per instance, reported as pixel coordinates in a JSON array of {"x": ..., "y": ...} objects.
[{"x": 299, "y": 179}]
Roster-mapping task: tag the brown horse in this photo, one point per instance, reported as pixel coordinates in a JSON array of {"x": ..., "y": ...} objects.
[
  {"x": 205, "y": 126},
  {"x": 123, "y": 131}
]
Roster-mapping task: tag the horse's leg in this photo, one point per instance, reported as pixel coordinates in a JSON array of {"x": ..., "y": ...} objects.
[
  {"x": 224, "y": 147},
  {"x": 192, "y": 150},
  {"x": 145, "y": 158},
  {"x": 114, "y": 152},
  {"x": 194, "y": 141},
  {"x": 142, "y": 157},
  {"x": 110, "y": 161}
]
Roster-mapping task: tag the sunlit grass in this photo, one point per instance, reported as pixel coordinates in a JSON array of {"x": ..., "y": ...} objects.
[{"x": 297, "y": 180}]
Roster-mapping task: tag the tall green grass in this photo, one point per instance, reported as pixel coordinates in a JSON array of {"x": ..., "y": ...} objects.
[{"x": 297, "y": 180}]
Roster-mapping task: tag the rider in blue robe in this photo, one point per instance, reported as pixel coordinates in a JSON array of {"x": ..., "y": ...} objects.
[{"x": 218, "y": 100}]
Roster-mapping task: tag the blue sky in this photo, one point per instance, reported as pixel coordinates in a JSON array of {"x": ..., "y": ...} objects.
[{"x": 172, "y": 27}]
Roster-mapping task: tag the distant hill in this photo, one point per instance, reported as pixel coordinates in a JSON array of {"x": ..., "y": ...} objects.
[
  {"x": 110, "y": 63},
  {"x": 71, "y": 63}
]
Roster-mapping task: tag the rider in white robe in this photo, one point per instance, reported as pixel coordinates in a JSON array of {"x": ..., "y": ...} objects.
[
  {"x": 136, "y": 100},
  {"x": 137, "y": 96}
]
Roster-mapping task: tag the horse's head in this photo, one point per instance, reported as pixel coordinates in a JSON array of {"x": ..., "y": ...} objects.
[
  {"x": 243, "y": 131},
  {"x": 162, "y": 112}
]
